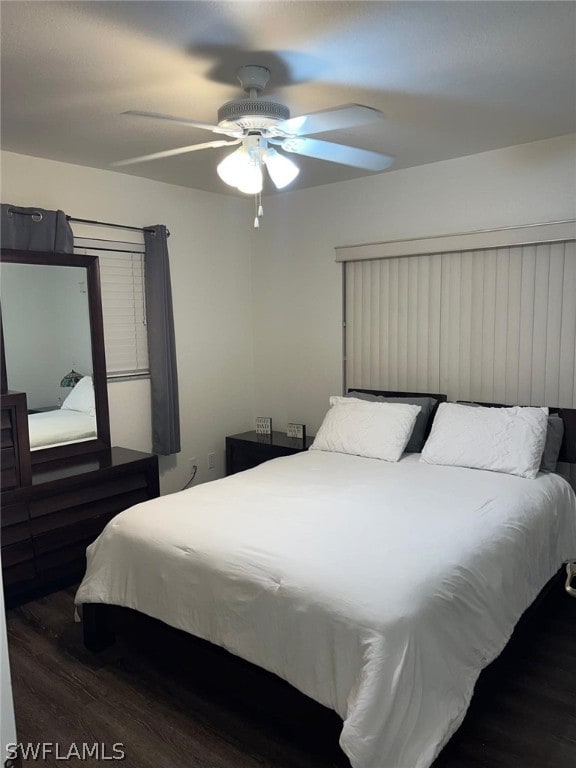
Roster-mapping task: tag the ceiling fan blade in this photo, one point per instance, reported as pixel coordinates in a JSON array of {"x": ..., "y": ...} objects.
[
  {"x": 177, "y": 151},
  {"x": 346, "y": 116},
  {"x": 336, "y": 153},
  {"x": 185, "y": 121}
]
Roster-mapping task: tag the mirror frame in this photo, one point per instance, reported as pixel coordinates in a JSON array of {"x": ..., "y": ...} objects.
[{"x": 91, "y": 264}]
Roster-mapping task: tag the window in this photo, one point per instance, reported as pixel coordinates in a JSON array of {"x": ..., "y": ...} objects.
[
  {"x": 124, "y": 312},
  {"x": 123, "y": 304},
  {"x": 493, "y": 325}
]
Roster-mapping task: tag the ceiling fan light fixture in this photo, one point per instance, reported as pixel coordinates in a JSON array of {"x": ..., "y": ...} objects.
[
  {"x": 242, "y": 169},
  {"x": 232, "y": 167},
  {"x": 281, "y": 169},
  {"x": 251, "y": 182},
  {"x": 237, "y": 170}
]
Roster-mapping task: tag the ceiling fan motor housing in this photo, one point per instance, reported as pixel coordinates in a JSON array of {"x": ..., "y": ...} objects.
[{"x": 251, "y": 114}]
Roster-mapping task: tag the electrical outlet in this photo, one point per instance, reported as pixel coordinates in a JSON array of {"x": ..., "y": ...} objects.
[
  {"x": 192, "y": 463},
  {"x": 211, "y": 461}
]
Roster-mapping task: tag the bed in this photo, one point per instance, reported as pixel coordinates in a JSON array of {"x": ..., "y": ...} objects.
[
  {"x": 60, "y": 427},
  {"x": 379, "y": 589}
]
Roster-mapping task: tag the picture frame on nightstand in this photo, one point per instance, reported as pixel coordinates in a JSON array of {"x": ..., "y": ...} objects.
[
  {"x": 296, "y": 431},
  {"x": 263, "y": 426}
]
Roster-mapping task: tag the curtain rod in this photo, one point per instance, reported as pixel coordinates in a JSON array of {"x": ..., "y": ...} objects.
[
  {"x": 91, "y": 221},
  {"x": 115, "y": 226},
  {"x": 114, "y": 250},
  {"x": 459, "y": 234}
]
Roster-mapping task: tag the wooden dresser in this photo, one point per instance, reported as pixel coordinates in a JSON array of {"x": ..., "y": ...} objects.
[
  {"x": 47, "y": 525},
  {"x": 56, "y": 499}
]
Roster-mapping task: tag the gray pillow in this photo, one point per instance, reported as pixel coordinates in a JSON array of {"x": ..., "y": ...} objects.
[
  {"x": 553, "y": 444},
  {"x": 418, "y": 436},
  {"x": 554, "y": 435}
]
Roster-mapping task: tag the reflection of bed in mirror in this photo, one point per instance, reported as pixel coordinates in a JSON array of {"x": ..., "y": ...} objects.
[
  {"x": 73, "y": 422},
  {"x": 59, "y": 428}
]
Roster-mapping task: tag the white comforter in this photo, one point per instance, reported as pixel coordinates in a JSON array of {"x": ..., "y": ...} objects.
[
  {"x": 380, "y": 590},
  {"x": 58, "y": 427}
]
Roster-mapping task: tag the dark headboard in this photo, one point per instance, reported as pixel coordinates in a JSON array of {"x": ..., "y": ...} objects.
[
  {"x": 387, "y": 393},
  {"x": 568, "y": 416}
]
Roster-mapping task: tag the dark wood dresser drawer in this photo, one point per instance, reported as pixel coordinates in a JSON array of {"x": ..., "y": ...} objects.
[
  {"x": 88, "y": 496},
  {"x": 14, "y": 446},
  {"x": 20, "y": 577},
  {"x": 47, "y": 526},
  {"x": 12, "y": 514},
  {"x": 15, "y": 524},
  {"x": 103, "y": 508},
  {"x": 18, "y": 565},
  {"x": 13, "y": 554},
  {"x": 63, "y": 552},
  {"x": 9, "y": 469}
]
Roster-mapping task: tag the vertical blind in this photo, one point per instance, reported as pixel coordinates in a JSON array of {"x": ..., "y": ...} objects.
[
  {"x": 495, "y": 325},
  {"x": 123, "y": 303}
]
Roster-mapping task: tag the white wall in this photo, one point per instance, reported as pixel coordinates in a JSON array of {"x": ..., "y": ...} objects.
[
  {"x": 211, "y": 284},
  {"x": 298, "y": 286}
]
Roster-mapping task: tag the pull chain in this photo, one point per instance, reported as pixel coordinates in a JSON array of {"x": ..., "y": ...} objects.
[
  {"x": 256, "y": 220},
  {"x": 258, "y": 210}
]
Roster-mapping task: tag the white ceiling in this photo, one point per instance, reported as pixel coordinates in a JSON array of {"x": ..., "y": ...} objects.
[{"x": 452, "y": 78}]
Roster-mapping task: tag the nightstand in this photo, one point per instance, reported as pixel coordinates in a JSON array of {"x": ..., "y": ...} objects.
[{"x": 248, "y": 449}]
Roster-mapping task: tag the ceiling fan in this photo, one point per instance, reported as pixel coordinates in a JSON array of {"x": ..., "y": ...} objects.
[{"x": 259, "y": 125}]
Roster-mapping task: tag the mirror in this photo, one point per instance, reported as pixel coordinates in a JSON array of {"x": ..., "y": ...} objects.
[
  {"x": 47, "y": 337},
  {"x": 53, "y": 342}
]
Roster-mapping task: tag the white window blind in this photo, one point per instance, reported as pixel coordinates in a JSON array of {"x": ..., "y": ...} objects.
[
  {"x": 123, "y": 302},
  {"x": 495, "y": 325},
  {"x": 124, "y": 313}
]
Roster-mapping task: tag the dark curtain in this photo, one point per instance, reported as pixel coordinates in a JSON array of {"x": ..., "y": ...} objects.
[
  {"x": 35, "y": 229},
  {"x": 161, "y": 344}
]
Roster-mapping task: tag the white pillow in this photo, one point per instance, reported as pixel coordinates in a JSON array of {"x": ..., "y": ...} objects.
[
  {"x": 374, "y": 430},
  {"x": 507, "y": 440},
  {"x": 82, "y": 397}
]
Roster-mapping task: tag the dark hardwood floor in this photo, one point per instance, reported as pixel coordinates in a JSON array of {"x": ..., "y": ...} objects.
[{"x": 223, "y": 713}]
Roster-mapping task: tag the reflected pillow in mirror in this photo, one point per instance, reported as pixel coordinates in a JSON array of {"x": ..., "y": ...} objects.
[{"x": 81, "y": 398}]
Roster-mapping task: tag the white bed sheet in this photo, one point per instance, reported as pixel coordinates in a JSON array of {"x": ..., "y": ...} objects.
[
  {"x": 58, "y": 427},
  {"x": 380, "y": 590}
]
